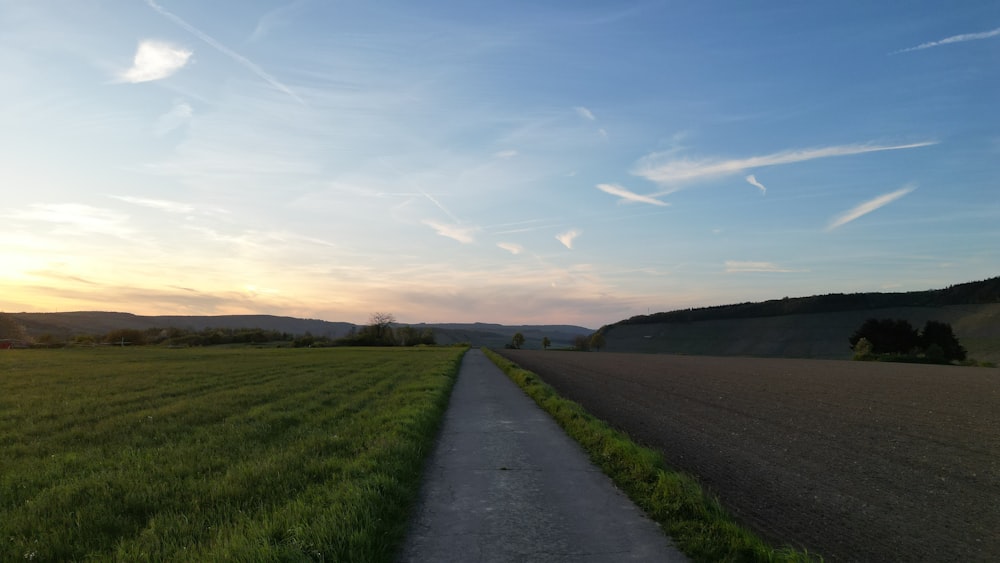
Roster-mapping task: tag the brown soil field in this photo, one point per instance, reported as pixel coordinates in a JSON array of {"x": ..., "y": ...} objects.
[{"x": 855, "y": 461}]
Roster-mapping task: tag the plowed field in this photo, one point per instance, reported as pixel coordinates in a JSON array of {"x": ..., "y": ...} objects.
[{"x": 856, "y": 461}]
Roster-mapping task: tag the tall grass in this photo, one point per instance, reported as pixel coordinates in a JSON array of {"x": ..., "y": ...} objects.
[
  {"x": 209, "y": 454},
  {"x": 695, "y": 520}
]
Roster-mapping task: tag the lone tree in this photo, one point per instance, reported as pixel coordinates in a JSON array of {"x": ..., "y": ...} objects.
[
  {"x": 381, "y": 326},
  {"x": 518, "y": 340},
  {"x": 546, "y": 343}
]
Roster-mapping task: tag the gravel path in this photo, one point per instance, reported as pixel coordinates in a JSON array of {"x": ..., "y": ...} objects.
[{"x": 856, "y": 461}]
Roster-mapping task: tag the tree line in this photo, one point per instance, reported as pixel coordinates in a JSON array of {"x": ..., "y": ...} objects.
[
  {"x": 380, "y": 331},
  {"x": 897, "y": 339},
  {"x": 985, "y": 291}
]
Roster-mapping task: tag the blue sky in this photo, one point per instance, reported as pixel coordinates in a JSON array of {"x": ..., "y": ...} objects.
[{"x": 513, "y": 162}]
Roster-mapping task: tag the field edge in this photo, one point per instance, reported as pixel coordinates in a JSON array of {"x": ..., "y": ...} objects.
[{"x": 695, "y": 520}]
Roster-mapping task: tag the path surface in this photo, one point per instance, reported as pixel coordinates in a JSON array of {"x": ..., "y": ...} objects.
[{"x": 505, "y": 483}]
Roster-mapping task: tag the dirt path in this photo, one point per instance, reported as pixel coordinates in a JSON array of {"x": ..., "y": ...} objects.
[{"x": 855, "y": 461}]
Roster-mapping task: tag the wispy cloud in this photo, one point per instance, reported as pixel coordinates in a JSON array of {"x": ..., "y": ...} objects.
[
  {"x": 178, "y": 115},
  {"x": 74, "y": 218},
  {"x": 741, "y": 267},
  {"x": 752, "y": 180},
  {"x": 155, "y": 60},
  {"x": 867, "y": 207},
  {"x": 162, "y": 205},
  {"x": 626, "y": 195},
  {"x": 511, "y": 247},
  {"x": 568, "y": 237},
  {"x": 510, "y": 153},
  {"x": 953, "y": 39},
  {"x": 674, "y": 171},
  {"x": 245, "y": 62},
  {"x": 585, "y": 113},
  {"x": 456, "y": 232},
  {"x": 275, "y": 18}
]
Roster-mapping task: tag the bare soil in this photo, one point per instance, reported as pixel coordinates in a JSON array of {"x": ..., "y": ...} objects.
[{"x": 855, "y": 461}]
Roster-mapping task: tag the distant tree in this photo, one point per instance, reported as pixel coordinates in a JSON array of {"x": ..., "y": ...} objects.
[
  {"x": 597, "y": 341},
  {"x": 546, "y": 343},
  {"x": 381, "y": 327},
  {"x": 11, "y": 329},
  {"x": 887, "y": 336},
  {"x": 518, "y": 340},
  {"x": 50, "y": 340},
  {"x": 581, "y": 343},
  {"x": 407, "y": 335},
  {"x": 304, "y": 341},
  {"x": 126, "y": 336},
  {"x": 939, "y": 341},
  {"x": 863, "y": 349},
  {"x": 427, "y": 337},
  {"x": 936, "y": 341},
  {"x": 412, "y": 336}
]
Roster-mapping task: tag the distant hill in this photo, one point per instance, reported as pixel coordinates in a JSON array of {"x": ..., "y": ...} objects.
[
  {"x": 496, "y": 336},
  {"x": 69, "y": 324},
  {"x": 100, "y": 322},
  {"x": 812, "y": 327}
]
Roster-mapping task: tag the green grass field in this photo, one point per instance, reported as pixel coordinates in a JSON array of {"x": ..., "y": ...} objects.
[{"x": 215, "y": 454}]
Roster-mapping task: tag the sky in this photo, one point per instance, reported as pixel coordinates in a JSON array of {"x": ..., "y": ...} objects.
[{"x": 543, "y": 162}]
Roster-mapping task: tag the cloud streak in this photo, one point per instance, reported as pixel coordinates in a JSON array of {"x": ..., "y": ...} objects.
[
  {"x": 627, "y": 195},
  {"x": 511, "y": 247},
  {"x": 752, "y": 180},
  {"x": 585, "y": 113},
  {"x": 743, "y": 267},
  {"x": 74, "y": 219},
  {"x": 678, "y": 171},
  {"x": 440, "y": 206},
  {"x": 953, "y": 39},
  {"x": 161, "y": 204},
  {"x": 867, "y": 207},
  {"x": 568, "y": 237},
  {"x": 180, "y": 114},
  {"x": 454, "y": 232},
  {"x": 155, "y": 60},
  {"x": 245, "y": 62}
]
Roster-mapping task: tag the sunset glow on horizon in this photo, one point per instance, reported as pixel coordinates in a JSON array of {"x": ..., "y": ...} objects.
[{"x": 518, "y": 163}]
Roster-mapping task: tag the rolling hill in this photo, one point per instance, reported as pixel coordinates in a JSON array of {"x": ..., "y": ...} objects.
[
  {"x": 812, "y": 327},
  {"x": 66, "y": 325}
]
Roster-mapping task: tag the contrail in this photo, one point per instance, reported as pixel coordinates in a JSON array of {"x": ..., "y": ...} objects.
[
  {"x": 441, "y": 207},
  {"x": 247, "y": 63},
  {"x": 867, "y": 207},
  {"x": 953, "y": 39}
]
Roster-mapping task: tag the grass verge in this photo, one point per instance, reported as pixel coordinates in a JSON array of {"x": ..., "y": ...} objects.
[
  {"x": 215, "y": 454},
  {"x": 695, "y": 520}
]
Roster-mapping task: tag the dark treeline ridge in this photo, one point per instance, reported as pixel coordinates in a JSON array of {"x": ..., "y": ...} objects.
[
  {"x": 170, "y": 336},
  {"x": 178, "y": 337},
  {"x": 986, "y": 291}
]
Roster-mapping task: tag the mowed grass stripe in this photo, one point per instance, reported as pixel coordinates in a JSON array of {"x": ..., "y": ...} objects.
[{"x": 215, "y": 454}]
